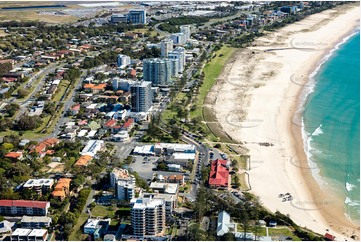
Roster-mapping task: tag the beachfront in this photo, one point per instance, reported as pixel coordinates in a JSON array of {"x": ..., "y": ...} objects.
[{"x": 268, "y": 80}]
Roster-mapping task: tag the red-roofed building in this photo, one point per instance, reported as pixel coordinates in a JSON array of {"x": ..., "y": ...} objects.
[
  {"x": 18, "y": 155},
  {"x": 127, "y": 126},
  {"x": 133, "y": 73},
  {"x": 218, "y": 176},
  {"x": 41, "y": 147},
  {"x": 75, "y": 109},
  {"x": 329, "y": 237},
  {"x": 24, "y": 207},
  {"x": 110, "y": 123},
  {"x": 9, "y": 79}
]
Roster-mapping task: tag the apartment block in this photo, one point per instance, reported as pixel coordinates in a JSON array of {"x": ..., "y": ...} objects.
[
  {"x": 147, "y": 217},
  {"x": 24, "y": 207},
  {"x": 35, "y": 222},
  {"x": 123, "y": 183},
  {"x": 41, "y": 186}
]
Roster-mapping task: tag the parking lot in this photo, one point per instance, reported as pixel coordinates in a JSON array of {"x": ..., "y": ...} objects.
[{"x": 144, "y": 166}]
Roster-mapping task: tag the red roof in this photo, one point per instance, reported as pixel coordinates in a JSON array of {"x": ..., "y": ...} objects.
[
  {"x": 110, "y": 123},
  {"x": 9, "y": 79},
  {"x": 133, "y": 72},
  {"x": 128, "y": 123},
  {"x": 14, "y": 155},
  {"x": 219, "y": 173},
  {"x": 76, "y": 107},
  {"x": 329, "y": 236},
  {"x": 23, "y": 203}
]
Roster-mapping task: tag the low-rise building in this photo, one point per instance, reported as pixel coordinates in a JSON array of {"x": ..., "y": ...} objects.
[
  {"x": 121, "y": 136},
  {"x": 174, "y": 167},
  {"x": 41, "y": 186},
  {"x": 92, "y": 147},
  {"x": 219, "y": 173},
  {"x": 83, "y": 160},
  {"x": 6, "y": 227},
  {"x": 224, "y": 224},
  {"x": 96, "y": 227},
  {"x": 38, "y": 235},
  {"x": 35, "y": 222},
  {"x": 162, "y": 187},
  {"x": 24, "y": 207},
  {"x": 18, "y": 155},
  {"x": 20, "y": 235},
  {"x": 62, "y": 188}
]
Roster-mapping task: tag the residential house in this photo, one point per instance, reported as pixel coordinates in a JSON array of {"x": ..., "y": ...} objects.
[
  {"x": 96, "y": 227},
  {"x": 224, "y": 224},
  {"x": 75, "y": 109},
  {"x": 175, "y": 179},
  {"x": 18, "y": 155},
  {"x": 83, "y": 160},
  {"x": 62, "y": 188},
  {"x": 40, "y": 149},
  {"x": 90, "y": 87},
  {"x": 128, "y": 125}
]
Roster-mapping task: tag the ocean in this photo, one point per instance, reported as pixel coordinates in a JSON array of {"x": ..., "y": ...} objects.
[{"x": 331, "y": 123}]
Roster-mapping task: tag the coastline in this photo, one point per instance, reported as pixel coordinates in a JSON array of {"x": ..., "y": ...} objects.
[{"x": 270, "y": 82}]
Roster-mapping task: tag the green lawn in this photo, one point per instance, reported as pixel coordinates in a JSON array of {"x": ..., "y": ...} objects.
[
  {"x": 103, "y": 211},
  {"x": 31, "y": 89},
  {"x": 77, "y": 234},
  {"x": 60, "y": 90},
  {"x": 273, "y": 232},
  {"x": 145, "y": 30},
  {"x": 211, "y": 71}
]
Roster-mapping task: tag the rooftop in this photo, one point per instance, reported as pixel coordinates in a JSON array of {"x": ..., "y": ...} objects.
[
  {"x": 43, "y": 219},
  {"x": 21, "y": 232},
  {"x": 38, "y": 232},
  {"x": 24, "y": 203}
]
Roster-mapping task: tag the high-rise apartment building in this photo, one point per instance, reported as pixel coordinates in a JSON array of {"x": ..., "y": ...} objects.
[
  {"x": 123, "y": 61},
  {"x": 179, "y": 38},
  {"x": 186, "y": 29},
  {"x": 179, "y": 55},
  {"x": 141, "y": 96},
  {"x": 165, "y": 47},
  {"x": 147, "y": 217},
  {"x": 157, "y": 71},
  {"x": 123, "y": 184}
]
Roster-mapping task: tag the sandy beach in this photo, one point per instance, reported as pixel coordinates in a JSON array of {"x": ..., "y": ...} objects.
[{"x": 264, "y": 85}]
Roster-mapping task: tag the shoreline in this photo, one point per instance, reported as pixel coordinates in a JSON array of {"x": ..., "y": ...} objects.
[
  {"x": 302, "y": 101},
  {"x": 266, "y": 75}
]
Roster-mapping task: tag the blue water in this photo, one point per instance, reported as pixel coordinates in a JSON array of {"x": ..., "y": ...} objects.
[{"x": 332, "y": 123}]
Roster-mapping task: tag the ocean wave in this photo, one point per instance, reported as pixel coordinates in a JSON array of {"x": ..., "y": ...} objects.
[
  {"x": 349, "y": 186},
  {"x": 310, "y": 87},
  {"x": 349, "y": 202},
  {"x": 307, "y": 90},
  {"x": 317, "y": 131}
]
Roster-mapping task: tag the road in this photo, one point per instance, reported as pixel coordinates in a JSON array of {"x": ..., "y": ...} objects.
[{"x": 67, "y": 104}]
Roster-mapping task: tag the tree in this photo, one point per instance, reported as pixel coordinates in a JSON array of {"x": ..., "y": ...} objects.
[
  {"x": 228, "y": 237},
  {"x": 11, "y": 108},
  {"x": 195, "y": 233},
  {"x": 27, "y": 122},
  {"x": 175, "y": 132},
  {"x": 22, "y": 92}
]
